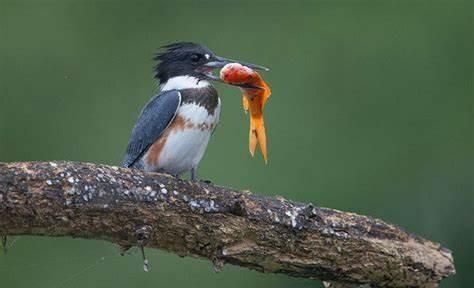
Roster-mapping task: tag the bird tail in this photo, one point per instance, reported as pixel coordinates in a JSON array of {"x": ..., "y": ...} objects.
[{"x": 257, "y": 135}]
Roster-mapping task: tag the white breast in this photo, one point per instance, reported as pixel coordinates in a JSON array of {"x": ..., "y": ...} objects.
[
  {"x": 183, "y": 82},
  {"x": 186, "y": 143}
]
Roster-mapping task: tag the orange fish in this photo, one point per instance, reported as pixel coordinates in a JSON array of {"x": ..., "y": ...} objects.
[{"x": 255, "y": 94}]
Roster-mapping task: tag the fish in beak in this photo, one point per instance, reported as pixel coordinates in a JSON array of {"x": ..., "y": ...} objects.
[{"x": 217, "y": 62}]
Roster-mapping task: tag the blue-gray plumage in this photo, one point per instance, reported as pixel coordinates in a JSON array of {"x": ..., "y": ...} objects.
[{"x": 153, "y": 120}]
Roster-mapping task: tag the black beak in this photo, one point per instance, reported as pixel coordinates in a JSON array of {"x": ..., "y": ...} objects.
[{"x": 219, "y": 62}]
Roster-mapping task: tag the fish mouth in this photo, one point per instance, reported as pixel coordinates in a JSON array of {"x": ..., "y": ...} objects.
[{"x": 217, "y": 62}]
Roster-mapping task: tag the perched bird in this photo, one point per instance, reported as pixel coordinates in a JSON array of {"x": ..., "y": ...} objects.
[{"x": 173, "y": 129}]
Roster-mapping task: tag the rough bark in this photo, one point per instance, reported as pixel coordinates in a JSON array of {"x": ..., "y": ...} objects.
[{"x": 267, "y": 234}]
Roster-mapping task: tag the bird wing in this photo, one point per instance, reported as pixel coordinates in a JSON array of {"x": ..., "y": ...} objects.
[{"x": 157, "y": 114}]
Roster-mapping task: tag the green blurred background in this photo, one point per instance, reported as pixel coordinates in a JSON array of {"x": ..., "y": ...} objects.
[{"x": 371, "y": 112}]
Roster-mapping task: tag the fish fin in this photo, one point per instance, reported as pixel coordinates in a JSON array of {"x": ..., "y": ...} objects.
[
  {"x": 245, "y": 103},
  {"x": 266, "y": 93}
]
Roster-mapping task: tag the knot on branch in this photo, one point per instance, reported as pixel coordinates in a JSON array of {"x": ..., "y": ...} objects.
[{"x": 143, "y": 234}]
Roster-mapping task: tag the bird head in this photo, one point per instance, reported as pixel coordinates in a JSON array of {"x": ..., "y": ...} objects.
[{"x": 192, "y": 59}]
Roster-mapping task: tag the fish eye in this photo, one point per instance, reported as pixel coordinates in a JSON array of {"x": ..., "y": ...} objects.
[{"x": 196, "y": 57}]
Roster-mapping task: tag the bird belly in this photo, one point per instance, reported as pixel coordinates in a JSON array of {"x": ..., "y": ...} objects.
[
  {"x": 183, "y": 150},
  {"x": 183, "y": 144}
]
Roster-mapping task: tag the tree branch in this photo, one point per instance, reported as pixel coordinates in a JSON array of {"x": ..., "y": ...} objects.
[{"x": 267, "y": 234}]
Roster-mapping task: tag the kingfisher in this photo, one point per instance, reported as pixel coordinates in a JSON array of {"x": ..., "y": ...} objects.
[{"x": 174, "y": 127}]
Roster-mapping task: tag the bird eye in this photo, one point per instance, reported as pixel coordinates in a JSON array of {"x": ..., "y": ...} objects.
[{"x": 195, "y": 58}]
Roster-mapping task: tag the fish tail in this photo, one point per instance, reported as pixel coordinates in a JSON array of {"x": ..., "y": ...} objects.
[{"x": 257, "y": 134}]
